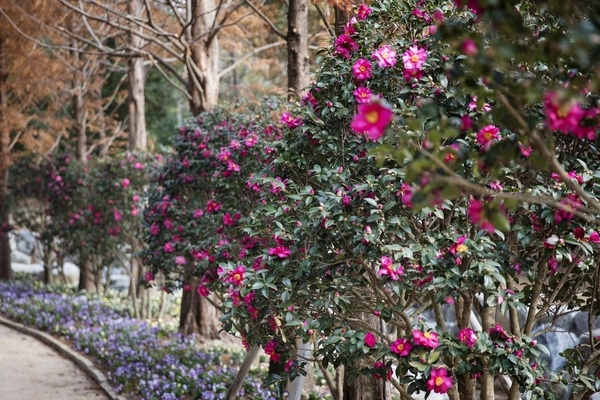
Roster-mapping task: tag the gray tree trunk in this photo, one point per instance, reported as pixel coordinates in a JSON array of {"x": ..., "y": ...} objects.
[
  {"x": 5, "y": 269},
  {"x": 198, "y": 315},
  {"x": 297, "y": 47},
  {"x": 138, "y": 136},
  {"x": 203, "y": 66}
]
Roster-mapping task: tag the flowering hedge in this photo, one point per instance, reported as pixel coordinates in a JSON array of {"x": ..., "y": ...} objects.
[
  {"x": 89, "y": 211},
  {"x": 192, "y": 223},
  {"x": 141, "y": 360},
  {"x": 429, "y": 232}
]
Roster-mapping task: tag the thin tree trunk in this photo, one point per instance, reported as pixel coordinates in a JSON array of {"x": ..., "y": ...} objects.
[
  {"x": 242, "y": 373},
  {"x": 297, "y": 45},
  {"x": 203, "y": 67},
  {"x": 342, "y": 16},
  {"x": 86, "y": 276},
  {"x": 138, "y": 136},
  {"x": 5, "y": 268},
  {"x": 198, "y": 315},
  {"x": 365, "y": 387}
]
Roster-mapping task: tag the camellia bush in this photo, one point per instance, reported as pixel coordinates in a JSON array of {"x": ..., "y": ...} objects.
[
  {"x": 90, "y": 211},
  {"x": 431, "y": 214},
  {"x": 199, "y": 196}
]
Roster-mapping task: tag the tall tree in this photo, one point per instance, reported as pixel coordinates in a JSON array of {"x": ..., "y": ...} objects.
[
  {"x": 136, "y": 103},
  {"x": 297, "y": 40},
  {"x": 29, "y": 87}
]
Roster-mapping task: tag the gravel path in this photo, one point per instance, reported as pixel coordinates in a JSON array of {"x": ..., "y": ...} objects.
[{"x": 30, "y": 370}]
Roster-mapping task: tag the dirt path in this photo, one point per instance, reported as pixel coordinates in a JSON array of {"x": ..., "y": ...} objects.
[{"x": 29, "y": 370}]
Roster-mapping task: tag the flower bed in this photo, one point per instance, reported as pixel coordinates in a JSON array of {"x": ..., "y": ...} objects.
[{"x": 142, "y": 360}]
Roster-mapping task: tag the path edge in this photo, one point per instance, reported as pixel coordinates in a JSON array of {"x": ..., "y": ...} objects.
[{"x": 82, "y": 362}]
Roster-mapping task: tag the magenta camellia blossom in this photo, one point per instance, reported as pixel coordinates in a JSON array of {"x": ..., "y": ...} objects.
[
  {"x": 203, "y": 291},
  {"x": 439, "y": 381},
  {"x": 469, "y": 47},
  {"x": 426, "y": 339},
  {"x": 412, "y": 74},
  {"x": 362, "y": 95},
  {"x": 387, "y": 269},
  {"x": 401, "y": 346},
  {"x": 370, "y": 339},
  {"x": 345, "y": 45},
  {"x": 487, "y": 136},
  {"x": 271, "y": 350},
  {"x": 563, "y": 116},
  {"x": 361, "y": 69},
  {"x": 372, "y": 119},
  {"x": 414, "y": 57},
  {"x": 286, "y": 118},
  {"x": 237, "y": 275},
  {"x": 467, "y": 336},
  {"x": 180, "y": 260},
  {"x": 363, "y": 12},
  {"x": 477, "y": 216},
  {"x": 125, "y": 183},
  {"x": 280, "y": 251},
  {"x": 386, "y": 56}
]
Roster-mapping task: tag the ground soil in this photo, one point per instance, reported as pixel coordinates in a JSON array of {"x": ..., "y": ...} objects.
[{"x": 30, "y": 370}]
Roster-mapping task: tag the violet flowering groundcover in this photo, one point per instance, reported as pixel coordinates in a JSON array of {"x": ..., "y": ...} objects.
[{"x": 141, "y": 359}]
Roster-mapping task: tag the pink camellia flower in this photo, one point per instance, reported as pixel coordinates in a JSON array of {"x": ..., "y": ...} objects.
[
  {"x": 412, "y": 74},
  {"x": 361, "y": 69},
  {"x": 252, "y": 137},
  {"x": 380, "y": 365},
  {"x": 362, "y": 95},
  {"x": 117, "y": 215},
  {"x": 237, "y": 275},
  {"x": 401, "y": 346},
  {"x": 198, "y": 213},
  {"x": 525, "y": 150},
  {"x": 228, "y": 220},
  {"x": 571, "y": 204},
  {"x": 473, "y": 105},
  {"x": 148, "y": 276},
  {"x": 232, "y": 166},
  {"x": 212, "y": 206},
  {"x": 154, "y": 229},
  {"x": 459, "y": 246},
  {"x": 345, "y": 45},
  {"x": 203, "y": 291},
  {"x": 439, "y": 381},
  {"x": 168, "y": 247},
  {"x": 385, "y": 56},
  {"x": 125, "y": 183},
  {"x": 414, "y": 57},
  {"x": 497, "y": 332},
  {"x": 180, "y": 260},
  {"x": 387, "y": 269},
  {"x": 280, "y": 251},
  {"x": 467, "y": 336},
  {"x": 370, "y": 339},
  {"x": 363, "y": 12},
  {"x": 292, "y": 123},
  {"x": 135, "y": 198},
  {"x": 594, "y": 237},
  {"x": 426, "y": 339},
  {"x": 372, "y": 119},
  {"x": 134, "y": 211},
  {"x": 488, "y": 135},
  {"x": 561, "y": 115},
  {"x": 469, "y": 47},
  {"x": 477, "y": 216},
  {"x": 224, "y": 154},
  {"x": 271, "y": 350}
]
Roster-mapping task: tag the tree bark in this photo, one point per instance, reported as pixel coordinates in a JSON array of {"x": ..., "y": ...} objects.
[
  {"x": 86, "y": 276},
  {"x": 203, "y": 67},
  {"x": 297, "y": 48},
  {"x": 365, "y": 387},
  {"x": 78, "y": 104},
  {"x": 198, "y": 315},
  {"x": 342, "y": 16},
  {"x": 138, "y": 137},
  {"x": 5, "y": 268}
]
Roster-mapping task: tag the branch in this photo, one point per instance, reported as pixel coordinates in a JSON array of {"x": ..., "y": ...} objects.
[
  {"x": 248, "y": 55},
  {"x": 324, "y": 19},
  {"x": 271, "y": 24}
]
